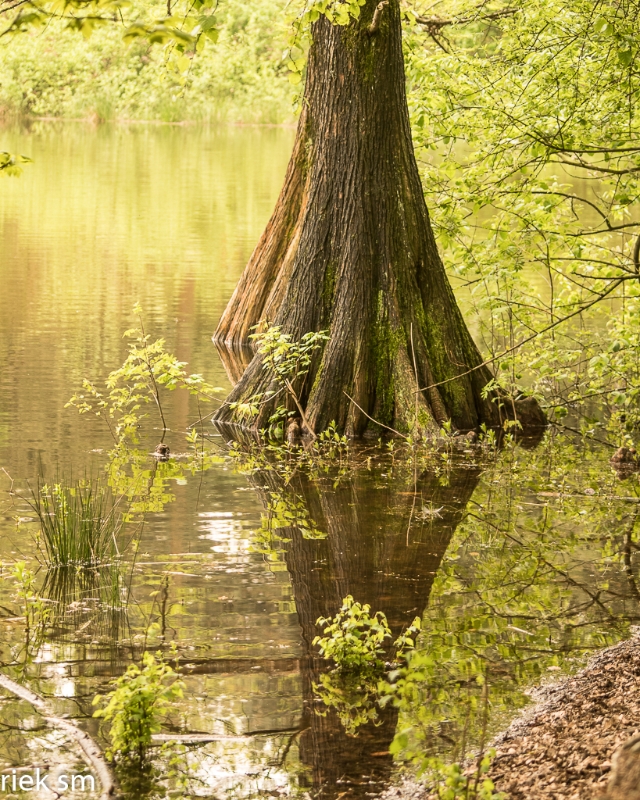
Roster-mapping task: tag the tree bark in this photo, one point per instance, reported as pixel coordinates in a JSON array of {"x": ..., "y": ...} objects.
[{"x": 350, "y": 249}]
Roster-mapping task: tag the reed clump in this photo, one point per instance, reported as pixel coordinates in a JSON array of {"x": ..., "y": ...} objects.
[{"x": 79, "y": 524}]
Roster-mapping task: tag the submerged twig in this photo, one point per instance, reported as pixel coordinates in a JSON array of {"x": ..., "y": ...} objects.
[{"x": 91, "y": 752}]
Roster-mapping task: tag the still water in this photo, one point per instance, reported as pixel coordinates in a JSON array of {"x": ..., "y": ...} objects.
[{"x": 519, "y": 561}]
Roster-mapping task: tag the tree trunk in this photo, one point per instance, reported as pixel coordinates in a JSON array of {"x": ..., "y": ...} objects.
[{"x": 350, "y": 249}]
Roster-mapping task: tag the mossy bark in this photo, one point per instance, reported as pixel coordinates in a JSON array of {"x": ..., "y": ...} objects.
[{"x": 350, "y": 249}]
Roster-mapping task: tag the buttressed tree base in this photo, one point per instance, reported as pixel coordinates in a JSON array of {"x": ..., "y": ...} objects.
[{"x": 349, "y": 249}]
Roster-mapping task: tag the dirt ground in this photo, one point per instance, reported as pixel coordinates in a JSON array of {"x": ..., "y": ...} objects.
[{"x": 564, "y": 746}]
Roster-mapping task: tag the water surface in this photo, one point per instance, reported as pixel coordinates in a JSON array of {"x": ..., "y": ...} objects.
[{"x": 523, "y": 560}]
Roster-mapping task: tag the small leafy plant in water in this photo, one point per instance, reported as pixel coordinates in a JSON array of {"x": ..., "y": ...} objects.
[
  {"x": 137, "y": 706},
  {"x": 147, "y": 370},
  {"x": 288, "y": 361},
  {"x": 143, "y": 380},
  {"x": 353, "y": 641},
  {"x": 353, "y": 638}
]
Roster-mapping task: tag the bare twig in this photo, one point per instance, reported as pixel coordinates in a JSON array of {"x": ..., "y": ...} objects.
[
  {"x": 299, "y": 407},
  {"x": 434, "y": 25},
  {"x": 381, "y": 424}
]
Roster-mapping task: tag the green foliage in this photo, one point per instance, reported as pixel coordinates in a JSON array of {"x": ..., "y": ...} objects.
[
  {"x": 285, "y": 510},
  {"x": 353, "y": 639},
  {"x": 525, "y": 119},
  {"x": 288, "y": 361},
  {"x": 454, "y": 783},
  {"x": 147, "y": 370},
  {"x": 10, "y": 164},
  {"x": 242, "y": 78},
  {"x": 137, "y": 705},
  {"x": 178, "y": 28},
  {"x": 528, "y": 587},
  {"x": 79, "y": 525},
  {"x": 338, "y": 12},
  {"x": 540, "y": 572}
]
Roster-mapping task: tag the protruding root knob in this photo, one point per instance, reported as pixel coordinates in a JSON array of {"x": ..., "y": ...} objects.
[
  {"x": 162, "y": 452},
  {"x": 293, "y": 433}
]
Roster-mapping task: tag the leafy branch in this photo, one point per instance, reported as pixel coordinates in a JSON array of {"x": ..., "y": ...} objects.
[{"x": 147, "y": 370}]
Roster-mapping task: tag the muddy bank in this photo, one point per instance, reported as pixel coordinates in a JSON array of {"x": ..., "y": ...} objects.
[{"x": 576, "y": 742}]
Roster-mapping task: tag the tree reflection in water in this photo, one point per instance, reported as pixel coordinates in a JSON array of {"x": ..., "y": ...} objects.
[{"x": 383, "y": 545}]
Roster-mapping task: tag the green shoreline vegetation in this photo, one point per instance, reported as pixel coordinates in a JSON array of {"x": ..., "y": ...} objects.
[{"x": 53, "y": 72}]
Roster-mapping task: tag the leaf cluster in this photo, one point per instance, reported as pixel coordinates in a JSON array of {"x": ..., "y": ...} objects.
[
  {"x": 525, "y": 120},
  {"x": 147, "y": 370},
  {"x": 137, "y": 705},
  {"x": 10, "y": 164}
]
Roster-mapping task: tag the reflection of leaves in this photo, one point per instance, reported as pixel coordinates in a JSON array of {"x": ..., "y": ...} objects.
[
  {"x": 354, "y": 696},
  {"x": 538, "y": 575},
  {"x": 284, "y": 510},
  {"x": 290, "y": 511},
  {"x": 145, "y": 481},
  {"x": 10, "y": 164}
]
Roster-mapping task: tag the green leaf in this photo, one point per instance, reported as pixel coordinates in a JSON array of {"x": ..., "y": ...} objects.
[
  {"x": 602, "y": 25},
  {"x": 625, "y": 57}
]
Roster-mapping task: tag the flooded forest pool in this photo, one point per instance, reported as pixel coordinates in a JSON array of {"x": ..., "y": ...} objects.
[{"x": 520, "y": 560}]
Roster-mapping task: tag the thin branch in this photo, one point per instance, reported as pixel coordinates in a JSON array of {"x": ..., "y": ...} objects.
[
  {"x": 90, "y": 749},
  {"x": 381, "y": 424},
  {"x": 377, "y": 14},
  {"x": 595, "y": 168},
  {"x": 434, "y": 25},
  {"x": 300, "y": 409},
  {"x": 601, "y": 296}
]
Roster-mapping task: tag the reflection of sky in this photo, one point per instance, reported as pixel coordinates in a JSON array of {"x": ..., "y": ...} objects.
[{"x": 221, "y": 527}]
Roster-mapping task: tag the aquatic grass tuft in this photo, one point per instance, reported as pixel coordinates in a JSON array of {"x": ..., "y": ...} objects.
[{"x": 79, "y": 524}]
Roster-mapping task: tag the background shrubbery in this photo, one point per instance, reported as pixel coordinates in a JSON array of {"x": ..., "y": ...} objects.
[{"x": 241, "y": 78}]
